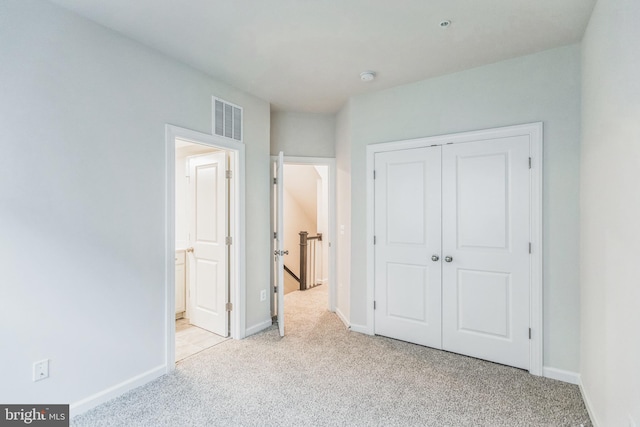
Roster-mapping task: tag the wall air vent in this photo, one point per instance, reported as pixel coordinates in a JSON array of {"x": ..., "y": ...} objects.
[{"x": 227, "y": 119}]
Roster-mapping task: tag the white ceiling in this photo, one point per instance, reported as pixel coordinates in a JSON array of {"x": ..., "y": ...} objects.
[{"x": 307, "y": 55}]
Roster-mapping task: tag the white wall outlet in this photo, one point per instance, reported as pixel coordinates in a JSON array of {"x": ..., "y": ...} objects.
[
  {"x": 41, "y": 370},
  {"x": 263, "y": 295}
]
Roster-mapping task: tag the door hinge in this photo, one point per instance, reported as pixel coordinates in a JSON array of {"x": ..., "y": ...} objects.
[
  {"x": 529, "y": 333},
  {"x": 229, "y": 240},
  {"x": 275, "y": 289},
  {"x": 374, "y": 174},
  {"x": 229, "y": 174},
  {"x": 275, "y": 180},
  {"x": 529, "y": 247},
  {"x": 228, "y": 306},
  {"x": 374, "y": 240},
  {"x": 374, "y": 305},
  {"x": 529, "y": 162},
  {"x": 275, "y": 234}
]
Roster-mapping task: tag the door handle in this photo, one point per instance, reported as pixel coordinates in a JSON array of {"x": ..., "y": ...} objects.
[
  {"x": 448, "y": 258},
  {"x": 280, "y": 253},
  {"x": 435, "y": 257},
  {"x": 189, "y": 249}
]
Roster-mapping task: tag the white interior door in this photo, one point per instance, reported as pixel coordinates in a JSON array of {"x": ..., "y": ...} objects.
[
  {"x": 209, "y": 292},
  {"x": 279, "y": 252},
  {"x": 485, "y": 220},
  {"x": 407, "y": 247}
]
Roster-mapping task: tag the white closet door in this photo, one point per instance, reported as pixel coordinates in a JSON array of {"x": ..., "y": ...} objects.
[
  {"x": 408, "y": 235},
  {"x": 485, "y": 221}
]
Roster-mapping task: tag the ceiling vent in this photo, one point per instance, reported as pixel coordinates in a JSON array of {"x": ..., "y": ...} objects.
[{"x": 227, "y": 119}]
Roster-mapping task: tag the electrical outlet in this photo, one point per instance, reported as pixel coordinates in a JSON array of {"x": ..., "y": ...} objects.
[
  {"x": 263, "y": 295},
  {"x": 41, "y": 370}
]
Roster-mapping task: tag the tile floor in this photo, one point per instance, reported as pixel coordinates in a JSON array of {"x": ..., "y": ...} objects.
[{"x": 191, "y": 339}]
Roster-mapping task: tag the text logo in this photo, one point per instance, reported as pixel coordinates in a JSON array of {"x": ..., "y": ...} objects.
[{"x": 34, "y": 415}]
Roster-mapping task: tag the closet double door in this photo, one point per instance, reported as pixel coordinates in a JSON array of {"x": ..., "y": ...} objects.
[{"x": 452, "y": 248}]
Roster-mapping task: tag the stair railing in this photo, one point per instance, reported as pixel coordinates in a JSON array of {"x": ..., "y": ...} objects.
[{"x": 308, "y": 259}]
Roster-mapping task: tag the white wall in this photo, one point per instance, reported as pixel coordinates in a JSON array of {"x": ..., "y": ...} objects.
[
  {"x": 541, "y": 87},
  {"x": 303, "y": 134},
  {"x": 610, "y": 213},
  {"x": 343, "y": 212},
  {"x": 82, "y": 200}
]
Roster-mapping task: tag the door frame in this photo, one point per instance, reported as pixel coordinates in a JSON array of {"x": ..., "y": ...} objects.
[
  {"x": 535, "y": 132},
  {"x": 331, "y": 164},
  {"x": 237, "y": 254}
]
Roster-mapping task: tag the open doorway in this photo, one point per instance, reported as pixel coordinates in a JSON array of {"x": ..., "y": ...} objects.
[
  {"x": 205, "y": 242},
  {"x": 308, "y": 223},
  {"x": 201, "y": 225}
]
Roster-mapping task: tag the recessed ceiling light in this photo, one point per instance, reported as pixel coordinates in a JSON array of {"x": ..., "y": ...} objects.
[
  {"x": 445, "y": 24},
  {"x": 367, "y": 76}
]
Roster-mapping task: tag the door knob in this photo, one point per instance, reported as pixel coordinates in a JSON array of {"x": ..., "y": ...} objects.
[
  {"x": 280, "y": 253},
  {"x": 189, "y": 249},
  {"x": 435, "y": 257},
  {"x": 448, "y": 258}
]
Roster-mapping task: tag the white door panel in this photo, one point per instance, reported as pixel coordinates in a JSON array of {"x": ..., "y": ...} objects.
[
  {"x": 477, "y": 290},
  {"x": 408, "y": 234},
  {"x": 485, "y": 222},
  {"x": 279, "y": 255},
  {"x": 208, "y": 232}
]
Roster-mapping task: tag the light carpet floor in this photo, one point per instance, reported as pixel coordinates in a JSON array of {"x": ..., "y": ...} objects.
[{"x": 320, "y": 374}]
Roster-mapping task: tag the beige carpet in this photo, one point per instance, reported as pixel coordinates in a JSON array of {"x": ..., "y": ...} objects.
[{"x": 320, "y": 374}]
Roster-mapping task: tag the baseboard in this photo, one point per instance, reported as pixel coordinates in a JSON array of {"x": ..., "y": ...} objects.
[
  {"x": 363, "y": 329},
  {"x": 342, "y": 317},
  {"x": 259, "y": 327},
  {"x": 561, "y": 375},
  {"x": 587, "y": 404},
  {"x": 91, "y": 402}
]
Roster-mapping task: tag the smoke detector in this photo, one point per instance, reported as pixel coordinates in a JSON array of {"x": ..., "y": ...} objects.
[{"x": 367, "y": 76}]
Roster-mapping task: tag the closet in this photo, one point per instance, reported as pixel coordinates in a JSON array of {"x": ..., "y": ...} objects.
[{"x": 452, "y": 252}]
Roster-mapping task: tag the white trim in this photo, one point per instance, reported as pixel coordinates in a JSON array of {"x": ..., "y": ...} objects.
[
  {"x": 561, "y": 375},
  {"x": 587, "y": 404},
  {"x": 94, "y": 400},
  {"x": 370, "y": 251},
  {"x": 331, "y": 164},
  {"x": 259, "y": 327},
  {"x": 237, "y": 271},
  {"x": 534, "y": 131},
  {"x": 536, "y": 301},
  {"x": 362, "y": 329},
  {"x": 342, "y": 317}
]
